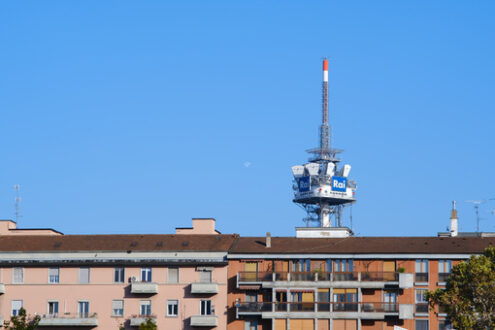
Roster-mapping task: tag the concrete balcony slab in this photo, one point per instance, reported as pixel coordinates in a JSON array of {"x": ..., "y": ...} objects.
[
  {"x": 204, "y": 288},
  {"x": 204, "y": 320},
  {"x": 144, "y": 288},
  {"x": 137, "y": 320},
  {"x": 68, "y": 321}
]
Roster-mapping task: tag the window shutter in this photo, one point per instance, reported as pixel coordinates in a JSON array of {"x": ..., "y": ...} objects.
[
  {"x": 83, "y": 275},
  {"x": 205, "y": 277},
  {"x": 16, "y": 304},
  {"x": 173, "y": 275},
  {"x": 18, "y": 275}
]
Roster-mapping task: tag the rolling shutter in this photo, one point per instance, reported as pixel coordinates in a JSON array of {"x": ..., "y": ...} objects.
[{"x": 280, "y": 324}]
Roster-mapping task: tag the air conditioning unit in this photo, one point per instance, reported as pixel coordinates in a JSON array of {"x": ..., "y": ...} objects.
[{"x": 133, "y": 279}]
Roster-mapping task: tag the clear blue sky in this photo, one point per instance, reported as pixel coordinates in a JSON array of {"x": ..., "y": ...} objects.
[{"x": 135, "y": 116}]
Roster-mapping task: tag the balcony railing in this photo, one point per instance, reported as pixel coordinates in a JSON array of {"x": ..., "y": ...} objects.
[
  {"x": 367, "y": 307},
  {"x": 255, "y": 276},
  {"x": 380, "y": 276},
  {"x": 258, "y": 277},
  {"x": 254, "y": 307}
]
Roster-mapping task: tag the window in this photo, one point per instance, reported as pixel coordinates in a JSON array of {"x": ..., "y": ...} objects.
[
  {"x": 390, "y": 299},
  {"x": 83, "y": 308},
  {"x": 172, "y": 307},
  {"x": 205, "y": 307},
  {"x": 328, "y": 265},
  {"x": 53, "y": 275},
  {"x": 119, "y": 275},
  {"x": 117, "y": 308},
  {"x": 173, "y": 275},
  {"x": 444, "y": 269},
  {"x": 421, "y": 302},
  {"x": 84, "y": 275},
  {"x": 343, "y": 265},
  {"x": 53, "y": 308},
  {"x": 343, "y": 270},
  {"x": 145, "y": 307},
  {"x": 421, "y": 325},
  {"x": 17, "y": 275},
  {"x": 421, "y": 270},
  {"x": 205, "y": 276},
  {"x": 301, "y": 265},
  {"x": 251, "y": 297},
  {"x": 16, "y": 307},
  {"x": 146, "y": 274}
]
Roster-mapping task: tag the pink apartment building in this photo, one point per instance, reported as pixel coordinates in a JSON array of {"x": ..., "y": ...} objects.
[{"x": 105, "y": 281}]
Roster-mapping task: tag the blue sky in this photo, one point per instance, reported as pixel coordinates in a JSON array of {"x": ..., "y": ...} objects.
[{"x": 135, "y": 116}]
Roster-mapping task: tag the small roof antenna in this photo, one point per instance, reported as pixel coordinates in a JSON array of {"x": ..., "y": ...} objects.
[{"x": 476, "y": 205}]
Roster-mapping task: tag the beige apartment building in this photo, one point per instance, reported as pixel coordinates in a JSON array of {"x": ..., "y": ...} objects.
[{"x": 105, "y": 281}]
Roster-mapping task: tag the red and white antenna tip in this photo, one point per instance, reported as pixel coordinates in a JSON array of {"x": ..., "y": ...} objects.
[{"x": 325, "y": 70}]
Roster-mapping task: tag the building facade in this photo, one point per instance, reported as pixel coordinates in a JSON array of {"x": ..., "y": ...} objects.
[
  {"x": 109, "y": 281},
  {"x": 342, "y": 283},
  {"x": 199, "y": 278}
]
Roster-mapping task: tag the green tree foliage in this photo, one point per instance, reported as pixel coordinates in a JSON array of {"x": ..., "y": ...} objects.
[
  {"x": 469, "y": 295},
  {"x": 22, "y": 322},
  {"x": 149, "y": 324}
]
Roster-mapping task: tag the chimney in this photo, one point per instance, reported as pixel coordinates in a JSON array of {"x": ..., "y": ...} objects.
[
  {"x": 453, "y": 221},
  {"x": 268, "y": 242}
]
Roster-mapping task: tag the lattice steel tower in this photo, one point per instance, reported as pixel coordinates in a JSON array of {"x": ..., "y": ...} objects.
[{"x": 321, "y": 187}]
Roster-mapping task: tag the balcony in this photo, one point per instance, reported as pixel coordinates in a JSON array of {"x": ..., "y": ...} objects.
[
  {"x": 144, "y": 287},
  {"x": 337, "y": 310},
  {"x": 204, "y": 321},
  {"x": 2, "y": 288},
  {"x": 136, "y": 320},
  {"x": 69, "y": 320},
  {"x": 204, "y": 288},
  {"x": 325, "y": 279}
]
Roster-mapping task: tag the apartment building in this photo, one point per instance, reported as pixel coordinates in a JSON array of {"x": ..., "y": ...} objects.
[
  {"x": 302, "y": 283},
  {"x": 105, "y": 281}
]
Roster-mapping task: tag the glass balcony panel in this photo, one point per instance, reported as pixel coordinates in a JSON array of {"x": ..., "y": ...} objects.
[{"x": 345, "y": 276}]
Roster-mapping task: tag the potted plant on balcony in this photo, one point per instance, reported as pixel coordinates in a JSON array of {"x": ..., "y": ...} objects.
[
  {"x": 149, "y": 324},
  {"x": 318, "y": 271}
]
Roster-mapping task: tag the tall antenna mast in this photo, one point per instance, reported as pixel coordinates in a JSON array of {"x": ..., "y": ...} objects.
[
  {"x": 17, "y": 188},
  {"x": 322, "y": 187},
  {"x": 324, "y": 129}
]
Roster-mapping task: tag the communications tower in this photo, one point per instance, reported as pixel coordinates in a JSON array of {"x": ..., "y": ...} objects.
[{"x": 321, "y": 186}]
